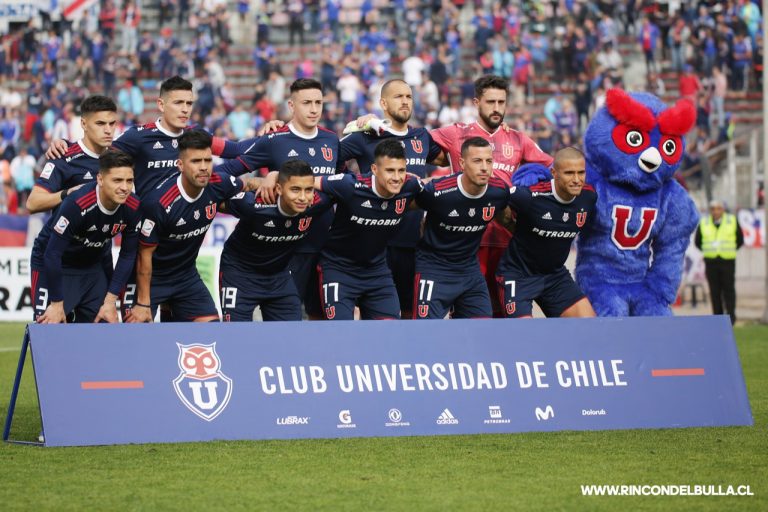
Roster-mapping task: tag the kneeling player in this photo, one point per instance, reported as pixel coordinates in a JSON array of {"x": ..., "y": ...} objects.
[
  {"x": 68, "y": 282},
  {"x": 370, "y": 209},
  {"x": 550, "y": 215},
  {"x": 176, "y": 216},
  {"x": 254, "y": 262},
  {"x": 459, "y": 207}
]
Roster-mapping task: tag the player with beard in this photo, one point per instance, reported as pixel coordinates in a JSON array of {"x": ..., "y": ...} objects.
[{"x": 511, "y": 148}]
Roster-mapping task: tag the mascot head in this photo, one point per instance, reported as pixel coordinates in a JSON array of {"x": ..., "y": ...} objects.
[{"x": 636, "y": 141}]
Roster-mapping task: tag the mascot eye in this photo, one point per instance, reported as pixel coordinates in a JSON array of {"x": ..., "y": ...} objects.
[
  {"x": 669, "y": 147},
  {"x": 634, "y": 139}
]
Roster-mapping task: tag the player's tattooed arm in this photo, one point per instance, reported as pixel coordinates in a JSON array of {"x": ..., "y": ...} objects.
[
  {"x": 108, "y": 310},
  {"x": 440, "y": 160},
  {"x": 57, "y": 149},
  {"x": 142, "y": 310},
  {"x": 506, "y": 219}
]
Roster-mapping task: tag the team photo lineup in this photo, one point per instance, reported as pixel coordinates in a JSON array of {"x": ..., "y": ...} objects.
[{"x": 314, "y": 239}]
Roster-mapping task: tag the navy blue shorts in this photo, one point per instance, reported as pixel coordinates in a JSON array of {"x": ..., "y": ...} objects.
[
  {"x": 84, "y": 291},
  {"x": 402, "y": 262},
  {"x": 554, "y": 293},
  {"x": 436, "y": 293},
  {"x": 186, "y": 296},
  {"x": 303, "y": 268},
  {"x": 242, "y": 292},
  {"x": 341, "y": 291}
]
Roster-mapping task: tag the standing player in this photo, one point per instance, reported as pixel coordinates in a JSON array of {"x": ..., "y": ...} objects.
[
  {"x": 510, "y": 149},
  {"x": 459, "y": 207},
  {"x": 80, "y": 162},
  {"x": 397, "y": 104},
  {"x": 301, "y": 138},
  {"x": 176, "y": 217},
  {"x": 370, "y": 209},
  {"x": 67, "y": 279},
  {"x": 549, "y": 216},
  {"x": 254, "y": 263}
]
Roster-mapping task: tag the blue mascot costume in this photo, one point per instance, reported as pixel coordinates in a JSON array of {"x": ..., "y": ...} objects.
[{"x": 630, "y": 257}]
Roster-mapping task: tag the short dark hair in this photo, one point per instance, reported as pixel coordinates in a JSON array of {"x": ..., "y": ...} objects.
[
  {"x": 113, "y": 158},
  {"x": 292, "y": 168},
  {"x": 306, "y": 83},
  {"x": 97, "y": 103},
  {"x": 390, "y": 148},
  {"x": 175, "y": 83},
  {"x": 474, "y": 142},
  {"x": 195, "y": 139},
  {"x": 486, "y": 82}
]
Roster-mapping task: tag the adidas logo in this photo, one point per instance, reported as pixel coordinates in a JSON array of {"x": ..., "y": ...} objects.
[
  {"x": 454, "y": 213},
  {"x": 157, "y": 145},
  {"x": 181, "y": 222},
  {"x": 92, "y": 228},
  {"x": 446, "y": 418},
  {"x": 547, "y": 216},
  {"x": 269, "y": 224},
  {"x": 88, "y": 176},
  {"x": 367, "y": 204},
  {"x": 292, "y": 153}
]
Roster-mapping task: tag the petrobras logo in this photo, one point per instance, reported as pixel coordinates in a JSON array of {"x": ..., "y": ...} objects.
[
  {"x": 446, "y": 418},
  {"x": 495, "y": 416},
  {"x": 345, "y": 420},
  {"x": 544, "y": 414},
  {"x": 201, "y": 386},
  {"x": 293, "y": 420},
  {"x": 593, "y": 412},
  {"x": 396, "y": 419}
]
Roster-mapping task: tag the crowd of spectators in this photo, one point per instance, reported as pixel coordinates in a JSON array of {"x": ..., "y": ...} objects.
[{"x": 569, "y": 50}]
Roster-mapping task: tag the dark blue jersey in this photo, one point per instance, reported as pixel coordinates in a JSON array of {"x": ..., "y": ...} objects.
[
  {"x": 419, "y": 150},
  {"x": 320, "y": 151},
  {"x": 364, "y": 221},
  {"x": 79, "y": 165},
  {"x": 265, "y": 237},
  {"x": 545, "y": 227},
  {"x": 155, "y": 153},
  {"x": 177, "y": 223},
  {"x": 456, "y": 221},
  {"x": 80, "y": 233}
]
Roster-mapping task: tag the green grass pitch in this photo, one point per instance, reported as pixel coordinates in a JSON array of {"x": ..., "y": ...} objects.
[{"x": 536, "y": 471}]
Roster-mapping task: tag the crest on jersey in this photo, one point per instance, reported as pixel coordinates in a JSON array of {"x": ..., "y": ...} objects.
[
  {"x": 417, "y": 146},
  {"x": 288, "y": 223},
  {"x": 327, "y": 153},
  {"x": 423, "y": 310},
  {"x": 472, "y": 212},
  {"x": 175, "y": 143},
  {"x": 507, "y": 150},
  {"x": 581, "y": 218},
  {"x": 330, "y": 312},
  {"x": 384, "y": 205},
  {"x": 311, "y": 151},
  {"x": 117, "y": 228},
  {"x": 566, "y": 217},
  {"x": 488, "y": 212},
  {"x": 400, "y": 206},
  {"x": 304, "y": 223},
  {"x": 510, "y": 307},
  {"x": 196, "y": 215},
  {"x": 201, "y": 386},
  {"x": 210, "y": 211}
]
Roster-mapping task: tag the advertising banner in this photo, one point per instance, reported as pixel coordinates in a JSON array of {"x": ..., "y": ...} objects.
[{"x": 114, "y": 384}]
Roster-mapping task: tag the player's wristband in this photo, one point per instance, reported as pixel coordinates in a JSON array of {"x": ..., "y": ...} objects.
[
  {"x": 142, "y": 305},
  {"x": 64, "y": 193}
]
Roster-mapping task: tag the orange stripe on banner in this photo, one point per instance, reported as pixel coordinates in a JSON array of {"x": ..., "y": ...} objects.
[
  {"x": 678, "y": 372},
  {"x": 113, "y": 384}
]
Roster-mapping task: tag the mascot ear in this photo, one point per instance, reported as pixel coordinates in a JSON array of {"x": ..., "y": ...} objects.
[
  {"x": 628, "y": 111},
  {"x": 530, "y": 174},
  {"x": 679, "y": 119}
]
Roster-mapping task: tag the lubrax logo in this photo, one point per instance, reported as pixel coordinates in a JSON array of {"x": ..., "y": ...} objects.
[
  {"x": 593, "y": 412},
  {"x": 293, "y": 420}
]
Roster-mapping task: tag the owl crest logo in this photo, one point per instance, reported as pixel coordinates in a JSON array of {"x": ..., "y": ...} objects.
[{"x": 201, "y": 386}]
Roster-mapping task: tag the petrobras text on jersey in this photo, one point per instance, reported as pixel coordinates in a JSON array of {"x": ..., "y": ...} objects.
[
  {"x": 465, "y": 229},
  {"x": 546, "y": 233},
  {"x": 283, "y": 238},
  {"x": 190, "y": 234},
  {"x": 376, "y": 222},
  {"x": 162, "y": 164}
]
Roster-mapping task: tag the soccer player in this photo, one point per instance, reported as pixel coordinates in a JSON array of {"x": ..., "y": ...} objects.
[
  {"x": 510, "y": 149},
  {"x": 254, "y": 263},
  {"x": 303, "y": 139},
  {"x": 459, "y": 207},
  {"x": 369, "y": 210},
  {"x": 176, "y": 217},
  {"x": 68, "y": 283},
  {"x": 80, "y": 162},
  {"x": 397, "y": 104},
  {"x": 549, "y": 216}
]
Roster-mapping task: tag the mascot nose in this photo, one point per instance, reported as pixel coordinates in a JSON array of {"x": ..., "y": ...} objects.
[{"x": 650, "y": 160}]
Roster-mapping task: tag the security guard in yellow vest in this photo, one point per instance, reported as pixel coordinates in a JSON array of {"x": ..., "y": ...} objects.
[{"x": 719, "y": 237}]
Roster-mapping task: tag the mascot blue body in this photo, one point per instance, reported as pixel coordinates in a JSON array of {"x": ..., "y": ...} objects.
[{"x": 630, "y": 257}]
